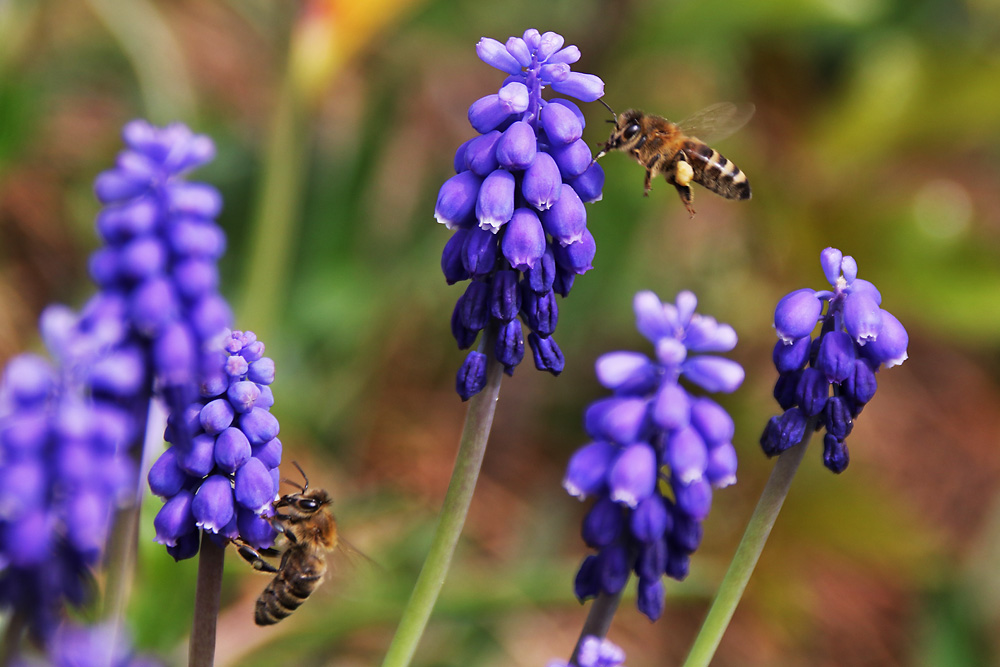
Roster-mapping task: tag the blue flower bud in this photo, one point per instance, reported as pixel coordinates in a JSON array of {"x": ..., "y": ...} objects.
[
  {"x": 561, "y": 125},
  {"x": 830, "y": 259},
  {"x": 861, "y": 384},
  {"x": 510, "y": 344},
  {"x": 650, "y": 519},
  {"x": 255, "y": 530},
  {"x": 836, "y": 356},
  {"x": 864, "y": 287},
  {"x": 671, "y": 407},
  {"x": 650, "y": 597},
  {"x": 199, "y": 459},
  {"x": 216, "y": 416},
  {"x": 812, "y": 391},
  {"x": 626, "y": 372},
  {"x": 212, "y": 506},
  {"x": 721, "y": 469},
  {"x": 796, "y": 315},
  {"x": 542, "y": 182},
  {"x": 541, "y": 312},
  {"x": 116, "y": 185},
  {"x": 210, "y": 316},
  {"x": 835, "y": 454},
  {"x": 547, "y": 355},
  {"x": 633, "y": 475},
  {"x": 785, "y": 389},
  {"x": 479, "y": 254},
  {"x": 195, "y": 238},
  {"x": 783, "y": 432},
  {"x": 254, "y": 487},
  {"x": 142, "y": 258},
  {"x": 584, "y": 87},
  {"x": 590, "y": 184},
  {"x": 451, "y": 258},
  {"x": 613, "y": 568},
  {"x": 588, "y": 468},
  {"x": 849, "y": 267},
  {"x": 517, "y": 147},
  {"x": 481, "y": 154},
  {"x": 541, "y": 277},
  {"x": 686, "y": 454},
  {"x": 618, "y": 419},
  {"x": 88, "y": 519},
  {"x": 586, "y": 584},
  {"x": 678, "y": 565},
  {"x": 495, "y": 54},
  {"x": 862, "y": 318},
  {"x": 602, "y": 524},
  {"x": 523, "y": 243},
  {"x": 174, "y": 519},
  {"x": 693, "y": 499},
  {"x": 890, "y": 346},
  {"x": 153, "y": 305},
  {"x": 505, "y": 296},
  {"x": 791, "y": 356},
  {"x": 269, "y": 453},
  {"x": 186, "y": 546},
  {"x": 243, "y": 395},
  {"x": 475, "y": 312},
  {"x": 464, "y": 336},
  {"x": 577, "y": 257},
  {"x": 258, "y": 425},
  {"x": 714, "y": 373},
  {"x": 195, "y": 199},
  {"x": 165, "y": 477},
  {"x": 458, "y": 162},
  {"x": 471, "y": 376},
  {"x": 232, "y": 449},
  {"x": 566, "y": 219},
  {"x": 568, "y": 55},
  {"x": 261, "y": 371},
  {"x": 488, "y": 112},
  {"x": 195, "y": 277},
  {"x": 573, "y": 158},
  {"x": 837, "y": 417},
  {"x": 518, "y": 48},
  {"x": 456, "y": 202}
]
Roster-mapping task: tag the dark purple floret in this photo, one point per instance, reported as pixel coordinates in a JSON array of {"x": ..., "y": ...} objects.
[
  {"x": 658, "y": 451},
  {"x": 516, "y": 204},
  {"x": 825, "y": 382}
]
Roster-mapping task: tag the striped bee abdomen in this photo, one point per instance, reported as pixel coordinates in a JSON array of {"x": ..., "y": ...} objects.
[
  {"x": 298, "y": 577},
  {"x": 714, "y": 172}
]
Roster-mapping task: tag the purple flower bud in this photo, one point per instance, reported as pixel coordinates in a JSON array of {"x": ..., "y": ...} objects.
[
  {"x": 837, "y": 417},
  {"x": 505, "y": 297},
  {"x": 541, "y": 312},
  {"x": 242, "y": 395},
  {"x": 212, "y": 506},
  {"x": 714, "y": 373},
  {"x": 712, "y": 421},
  {"x": 650, "y": 519},
  {"x": 187, "y": 545},
  {"x": 791, "y": 356},
  {"x": 862, "y": 317},
  {"x": 671, "y": 407},
  {"x": 890, "y": 346},
  {"x": 258, "y": 425},
  {"x": 199, "y": 460},
  {"x": 216, "y": 416},
  {"x": 577, "y": 257},
  {"x": 194, "y": 199},
  {"x": 796, "y": 315},
  {"x": 269, "y": 453},
  {"x": 830, "y": 260},
  {"x": 488, "y": 112},
  {"x": 632, "y": 477},
  {"x": 479, "y": 254},
  {"x": 602, "y": 524},
  {"x": 783, "y": 432},
  {"x": 573, "y": 158},
  {"x": 861, "y": 384},
  {"x": 456, "y": 202},
  {"x": 849, "y": 267},
  {"x": 254, "y": 487},
  {"x": 463, "y": 335},
  {"x": 541, "y": 277},
  {"x": 495, "y": 204},
  {"x": 518, "y": 48},
  {"x": 481, "y": 154},
  {"x": 694, "y": 499},
  {"x": 195, "y": 238},
  {"x": 686, "y": 454},
  {"x": 613, "y": 568},
  {"x": 584, "y": 87},
  {"x": 650, "y": 598},
  {"x": 542, "y": 182},
  {"x": 261, "y": 371},
  {"x": 117, "y": 185},
  {"x": 588, "y": 468},
  {"x": 451, "y": 258},
  {"x": 524, "y": 241},
  {"x": 28, "y": 379},
  {"x": 865, "y": 287},
  {"x": 142, "y": 258},
  {"x": 586, "y": 585},
  {"x": 232, "y": 449},
  {"x": 836, "y": 356},
  {"x": 590, "y": 184},
  {"x": 597, "y": 652},
  {"x": 471, "y": 376},
  {"x": 495, "y": 54},
  {"x": 835, "y": 454},
  {"x": 88, "y": 519},
  {"x": 547, "y": 355},
  {"x": 475, "y": 312},
  {"x": 174, "y": 519},
  {"x": 510, "y": 344},
  {"x": 165, "y": 477},
  {"x": 153, "y": 304},
  {"x": 568, "y": 55},
  {"x": 256, "y": 530},
  {"x": 561, "y": 125},
  {"x": 650, "y": 318},
  {"x": 517, "y": 147},
  {"x": 210, "y": 316},
  {"x": 678, "y": 565},
  {"x": 552, "y": 72},
  {"x": 722, "y": 463},
  {"x": 626, "y": 372},
  {"x": 812, "y": 391},
  {"x": 618, "y": 419}
]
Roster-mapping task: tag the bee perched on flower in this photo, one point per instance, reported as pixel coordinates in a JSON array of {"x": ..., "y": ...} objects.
[
  {"x": 516, "y": 205},
  {"x": 829, "y": 379}
]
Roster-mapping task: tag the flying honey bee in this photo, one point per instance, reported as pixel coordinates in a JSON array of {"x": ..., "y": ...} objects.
[
  {"x": 679, "y": 152},
  {"x": 311, "y": 531}
]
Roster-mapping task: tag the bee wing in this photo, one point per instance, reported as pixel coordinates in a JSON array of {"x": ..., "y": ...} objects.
[{"x": 717, "y": 122}]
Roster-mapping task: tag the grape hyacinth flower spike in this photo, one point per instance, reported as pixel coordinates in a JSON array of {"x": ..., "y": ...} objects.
[
  {"x": 516, "y": 205},
  {"x": 657, "y": 451},
  {"x": 594, "y": 652},
  {"x": 826, "y": 381}
]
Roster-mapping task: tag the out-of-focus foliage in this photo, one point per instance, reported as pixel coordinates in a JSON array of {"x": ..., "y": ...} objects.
[{"x": 876, "y": 132}]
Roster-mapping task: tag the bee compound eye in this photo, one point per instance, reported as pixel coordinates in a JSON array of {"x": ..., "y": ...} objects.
[
  {"x": 308, "y": 504},
  {"x": 631, "y": 131}
]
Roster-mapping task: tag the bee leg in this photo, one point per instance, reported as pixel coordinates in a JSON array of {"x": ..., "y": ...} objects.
[
  {"x": 680, "y": 177},
  {"x": 651, "y": 172},
  {"x": 252, "y": 556}
]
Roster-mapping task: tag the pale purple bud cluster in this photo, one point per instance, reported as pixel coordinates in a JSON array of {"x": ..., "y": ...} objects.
[
  {"x": 88, "y": 646},
  {"x": 595, "y": 652},
  {"x": 657, "y": 451},
  {"x": 221, "y": 475},
  {"x": 162, "y": 247},
  {"x": 831, "y": 378},
  {"x": 516, "y": 205}
]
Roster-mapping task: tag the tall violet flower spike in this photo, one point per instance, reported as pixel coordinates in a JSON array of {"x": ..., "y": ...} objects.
[
  {"x": 830, "y": 378},
  {"x": 516, "y": 205},
  {"x": 222, "y": 475},
  {"x": 657, "y": 451}
]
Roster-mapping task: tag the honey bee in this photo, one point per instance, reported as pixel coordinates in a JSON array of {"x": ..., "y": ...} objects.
[
  {"x": 311, "y": 532},
  {"x": 674, "y": 150}
]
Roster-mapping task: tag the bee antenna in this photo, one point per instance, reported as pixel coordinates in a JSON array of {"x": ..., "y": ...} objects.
[
  {"x": 614, "y": 116},
  {"x": 296, "y": 484}
]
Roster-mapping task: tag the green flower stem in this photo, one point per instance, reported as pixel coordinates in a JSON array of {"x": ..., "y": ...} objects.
[
  {"x": 747, "y": 553},
  {"x": 598, "y": 619},
  {"x": 478, "y": 421},
  {"x": 10, "y": 647},
  {"x": 201, "y": 652}
]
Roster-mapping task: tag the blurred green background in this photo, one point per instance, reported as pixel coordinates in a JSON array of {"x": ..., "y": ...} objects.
[{"x": 877, "y": 131}]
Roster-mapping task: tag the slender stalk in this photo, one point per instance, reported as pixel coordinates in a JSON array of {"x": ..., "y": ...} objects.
[
  {"x": 598, "y": 619},
  {"x": 201, "y": 652},
  {"x": 478, "y": 421},
  {"x": 747, "y": 553},
  {"x": 11, "y": 645}
]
